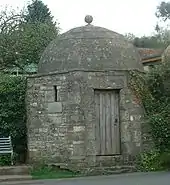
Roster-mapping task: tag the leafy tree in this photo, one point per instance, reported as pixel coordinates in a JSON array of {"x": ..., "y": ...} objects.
[
  {"x": 149, "y": 42},
  {"x": 23, "y": 41},
  {"x": 9, "y": 23},
  {"x": 33, "y": 39},
  {"x": 130, "y": 37},
  {"x": 13, "y": 113},
  {"x": 37, "y": 11},
  {"x": 163, "y": 11},
  {"x": 163, "y": 35},
  {"x": 159, "y": 40}
]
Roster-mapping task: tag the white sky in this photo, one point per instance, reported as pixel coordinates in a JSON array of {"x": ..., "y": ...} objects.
[{"x": 123, "y": 16}]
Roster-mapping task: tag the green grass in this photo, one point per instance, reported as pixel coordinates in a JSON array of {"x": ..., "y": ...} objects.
[{"x": 51, "y": 173}]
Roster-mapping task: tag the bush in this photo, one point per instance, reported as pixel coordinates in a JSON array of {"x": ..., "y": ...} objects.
[
  {"x": 13, "y": 113},
  {"x": 5, "y": 160},
  {"x": 154, "y": 160},
  {"x": 149, "y": 161},
  {"x": 154, "y": 93},
  {"x": 165, "y": 160}
]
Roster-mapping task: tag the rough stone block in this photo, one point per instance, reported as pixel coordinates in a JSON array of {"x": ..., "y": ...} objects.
[
  {"x": 78, "y": 128},
  {"x": 78, "y": 150},
  {"x": 55, "y": 107},
  {"x": 79, "y": 136},
  {"x": 49, "y": 96},
  {"x": 54, "y": 119},
  {"x": 44, "y": 130},
  {"x": 78, "y": 142}
]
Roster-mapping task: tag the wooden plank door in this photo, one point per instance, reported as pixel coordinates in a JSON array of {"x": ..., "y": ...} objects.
[{"x": 107, "y": 124}]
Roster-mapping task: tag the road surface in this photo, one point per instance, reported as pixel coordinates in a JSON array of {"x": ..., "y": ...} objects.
[{"x": 158, "y": 178}]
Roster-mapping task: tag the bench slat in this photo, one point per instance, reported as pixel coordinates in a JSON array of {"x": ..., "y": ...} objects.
[
  {"x": 6, "y": 146},
  {"x": 4, "y": 138},
  {"x": 1, "y": 148},
  {"x": 1, "y": 143},
  {"x": 5, "y": 149}
]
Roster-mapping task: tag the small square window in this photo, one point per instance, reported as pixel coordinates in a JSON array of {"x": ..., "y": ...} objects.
[{"x": 55, "y": 93}]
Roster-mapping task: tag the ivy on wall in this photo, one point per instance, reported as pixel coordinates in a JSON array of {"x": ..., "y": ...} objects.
[
  {"x": 153, "y": 90},
  {"x": 13, "y": 113}
]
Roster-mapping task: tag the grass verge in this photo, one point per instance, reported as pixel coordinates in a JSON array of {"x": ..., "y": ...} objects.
[{"x": 45, "y": 172}]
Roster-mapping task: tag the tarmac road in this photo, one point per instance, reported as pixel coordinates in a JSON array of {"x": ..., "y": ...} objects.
[{"x": 157, "y": 178}]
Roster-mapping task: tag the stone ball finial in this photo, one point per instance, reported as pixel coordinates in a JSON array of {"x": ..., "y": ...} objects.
[{"x": 88, "y": 19}]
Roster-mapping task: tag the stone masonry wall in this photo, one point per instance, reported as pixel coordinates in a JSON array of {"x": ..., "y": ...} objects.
[{"x": 63, "y": 130}]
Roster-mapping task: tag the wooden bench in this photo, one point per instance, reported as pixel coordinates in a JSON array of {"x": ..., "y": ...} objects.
[{"x": 6, "y": 147}]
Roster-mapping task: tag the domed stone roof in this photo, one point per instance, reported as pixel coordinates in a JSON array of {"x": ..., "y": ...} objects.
[{"x": 89, "y": 48}]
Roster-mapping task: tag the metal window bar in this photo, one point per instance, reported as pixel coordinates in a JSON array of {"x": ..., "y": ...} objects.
[{"x": 6, "y": 147}]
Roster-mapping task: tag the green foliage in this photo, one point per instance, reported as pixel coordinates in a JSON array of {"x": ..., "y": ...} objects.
[
  {"x": 25, "y": 46},
  {"x": 159, "y": 40},
  {"x": 33, "y": 40},
  {"x": 5, "y": 160},
  {"x": 163, "y": 10},
  {"x": 148, "y": 42},
  {"x": 149, "y": 161},
  {"x": 154, "y": 160},
  {"x": 13, "y": 113},
  {"x": 37, "y": 11},
  {"x": 25, "y": 35},
  {"x": 50, "y": 172},
  {"x": 130, "y": 37},
  {"x": 151, "y": 90},
  {"x": 154, "y": 92}
]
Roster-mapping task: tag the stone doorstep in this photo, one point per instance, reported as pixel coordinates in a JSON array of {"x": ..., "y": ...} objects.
[{"x": 109, "y": 170}]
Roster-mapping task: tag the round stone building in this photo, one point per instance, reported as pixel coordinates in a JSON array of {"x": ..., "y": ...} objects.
[{"x": 81, "y": 112}]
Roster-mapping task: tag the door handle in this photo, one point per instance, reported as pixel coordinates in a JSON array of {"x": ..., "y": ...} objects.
[{"x": 116, "y": 121}]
